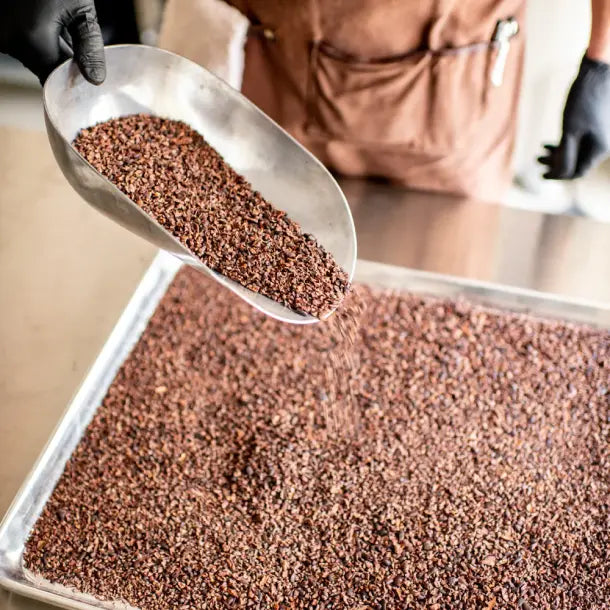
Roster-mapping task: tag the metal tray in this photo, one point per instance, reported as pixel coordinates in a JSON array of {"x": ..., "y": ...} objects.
[{"x": 41, "y": 481}]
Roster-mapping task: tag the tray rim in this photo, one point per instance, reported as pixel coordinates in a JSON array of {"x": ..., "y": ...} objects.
[
  {"x": 127, "y": 331},
  {"x": 156, "y": 279},
  {"x": 483, "y": 293}
]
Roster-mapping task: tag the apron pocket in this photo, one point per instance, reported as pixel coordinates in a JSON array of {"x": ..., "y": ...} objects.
[{"x": 425, "y": 101}]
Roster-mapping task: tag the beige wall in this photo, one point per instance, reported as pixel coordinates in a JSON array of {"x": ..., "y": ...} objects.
[{"x": 557, "y": 36}]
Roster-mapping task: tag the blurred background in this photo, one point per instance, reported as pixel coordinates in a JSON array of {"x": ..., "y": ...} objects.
[{"x": 552, "y": 58}]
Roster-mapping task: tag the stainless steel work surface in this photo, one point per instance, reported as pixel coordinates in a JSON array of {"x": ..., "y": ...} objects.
[{"x": 56, "y": 308}]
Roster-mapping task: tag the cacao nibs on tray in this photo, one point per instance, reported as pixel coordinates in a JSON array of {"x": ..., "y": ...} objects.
[
  {"x": 478, "y": 477},
  {"x": 174, "y": 175}
]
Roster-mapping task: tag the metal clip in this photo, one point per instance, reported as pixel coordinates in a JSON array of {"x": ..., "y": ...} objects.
[{"x": 505, "y": 30}]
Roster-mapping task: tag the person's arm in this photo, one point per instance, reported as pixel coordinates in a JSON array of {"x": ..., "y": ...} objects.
[
  {"x": 599, "y": 42},
  {"x": 585, "y": 140},
  {"x": 43, "y": 33}
]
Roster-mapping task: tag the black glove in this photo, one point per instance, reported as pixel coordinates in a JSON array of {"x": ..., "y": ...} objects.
[
  {"x": 586, "y": 124},
  {"x": 43, "y": 33}
]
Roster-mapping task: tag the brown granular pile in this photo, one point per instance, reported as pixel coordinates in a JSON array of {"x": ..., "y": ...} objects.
[
  {"x": 176, "y": 177},
  {"x": 478, "y": 476}
]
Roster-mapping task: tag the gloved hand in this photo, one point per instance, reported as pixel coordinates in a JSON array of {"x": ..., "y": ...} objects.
[
  {"x": 586, "y": 124},
  {"x": 43, "y": 33}
]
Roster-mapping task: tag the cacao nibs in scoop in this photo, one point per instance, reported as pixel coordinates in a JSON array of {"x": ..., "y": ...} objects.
[
  {"x": 478, "y": 477},
  {"x": 174, "y": 175}
]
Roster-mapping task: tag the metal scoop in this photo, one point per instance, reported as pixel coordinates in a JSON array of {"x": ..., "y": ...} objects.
[{"x": 150, "y": 80}]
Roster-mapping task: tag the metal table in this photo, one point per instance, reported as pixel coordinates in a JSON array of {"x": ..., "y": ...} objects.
[{"x": 58, "y": 306}]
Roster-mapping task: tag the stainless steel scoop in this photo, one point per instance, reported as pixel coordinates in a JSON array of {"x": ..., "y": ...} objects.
[{"x": 147, "y": 79}]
